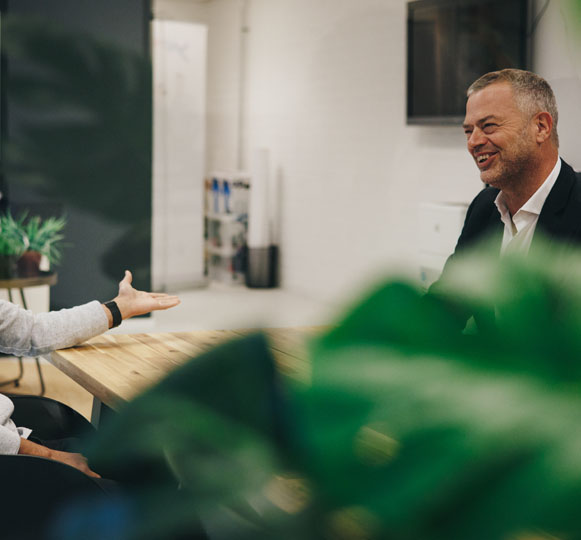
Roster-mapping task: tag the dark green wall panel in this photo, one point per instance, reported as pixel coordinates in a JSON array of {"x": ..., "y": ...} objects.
[{"x": 77, "y": 90}]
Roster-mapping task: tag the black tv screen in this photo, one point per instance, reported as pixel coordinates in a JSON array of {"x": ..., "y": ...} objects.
[{"x": 453, "y": 42}]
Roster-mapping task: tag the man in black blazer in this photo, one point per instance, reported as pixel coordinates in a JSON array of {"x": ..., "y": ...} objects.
[
  {"x": 560, "y": 217},
  {"x": 511, "y": 133}
]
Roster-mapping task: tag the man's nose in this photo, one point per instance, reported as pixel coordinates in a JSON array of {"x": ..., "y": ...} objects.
[{"x": 477, "y": 138}]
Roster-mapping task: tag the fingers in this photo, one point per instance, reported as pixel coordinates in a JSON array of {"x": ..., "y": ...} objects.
[
  {"x": 78, "y": 461},
  {"x": 168, "y": 302},
  {"x": 84, "y": 466}
]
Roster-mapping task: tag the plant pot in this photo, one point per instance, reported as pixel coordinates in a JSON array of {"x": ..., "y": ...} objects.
[
  {"x": 8, "y": 268},
  {"x": 29, "y": 264}
]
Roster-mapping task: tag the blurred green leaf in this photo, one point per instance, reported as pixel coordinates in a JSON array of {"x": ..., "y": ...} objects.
[{"x": 409, "y": 429}]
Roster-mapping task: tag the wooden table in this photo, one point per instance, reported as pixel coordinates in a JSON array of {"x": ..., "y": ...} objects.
[{"x": 117, "y": 367}]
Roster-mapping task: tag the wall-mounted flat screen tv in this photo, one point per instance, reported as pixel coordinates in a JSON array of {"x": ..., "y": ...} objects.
[{"x": 451, "y": 43}]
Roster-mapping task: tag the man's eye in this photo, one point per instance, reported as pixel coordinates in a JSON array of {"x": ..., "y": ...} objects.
[
  {"x": 467, "y": 132},
  {"x": 488, "y": 128}
]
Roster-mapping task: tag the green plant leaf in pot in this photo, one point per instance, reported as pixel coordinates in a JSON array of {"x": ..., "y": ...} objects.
[
  {"x": 45, "y": 236},
  {"x": 12, "y": 244},
  {"x": 12, "y": 237}
]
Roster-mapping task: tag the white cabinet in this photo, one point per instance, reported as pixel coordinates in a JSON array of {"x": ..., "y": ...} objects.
[{"x": 440, "y": 225}]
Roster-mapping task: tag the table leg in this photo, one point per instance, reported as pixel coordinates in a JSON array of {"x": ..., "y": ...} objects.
[
  {"x": 42, "y": 387},
  {"x": 96, "y": 412},
  {"x": 17, "y": 379}
]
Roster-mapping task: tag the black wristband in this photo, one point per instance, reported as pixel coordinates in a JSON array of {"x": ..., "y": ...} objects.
[{"x": 114, "y": 309}]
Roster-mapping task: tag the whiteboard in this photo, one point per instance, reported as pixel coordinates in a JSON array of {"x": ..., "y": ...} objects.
[{"x": 179, "y": 123}]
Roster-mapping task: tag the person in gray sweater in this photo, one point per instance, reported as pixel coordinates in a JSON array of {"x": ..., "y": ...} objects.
[{"x": 23, "y": 333}]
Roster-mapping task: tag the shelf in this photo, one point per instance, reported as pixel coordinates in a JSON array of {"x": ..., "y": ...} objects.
[
  {"x": 222, "y": 251},
  {"x": 226, "y": 217}
]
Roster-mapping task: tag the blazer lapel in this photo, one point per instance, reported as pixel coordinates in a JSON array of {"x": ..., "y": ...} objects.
[
  {"x": 496, "y": 228},
  {"x": 560, "y": 218}
]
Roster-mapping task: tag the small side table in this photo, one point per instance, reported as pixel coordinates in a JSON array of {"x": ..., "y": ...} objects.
[{"x": 21, "y": 283}]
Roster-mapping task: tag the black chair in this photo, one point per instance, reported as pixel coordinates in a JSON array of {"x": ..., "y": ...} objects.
[
  {"x": 37, "y": 489},
  {"x": 48, "y": 418}
]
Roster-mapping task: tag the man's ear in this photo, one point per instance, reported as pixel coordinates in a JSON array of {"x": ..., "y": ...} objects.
[{"x": 543, "y": 123}]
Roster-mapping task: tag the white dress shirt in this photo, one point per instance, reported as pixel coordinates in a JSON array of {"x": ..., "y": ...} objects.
[{"x": 520, "y": 228}]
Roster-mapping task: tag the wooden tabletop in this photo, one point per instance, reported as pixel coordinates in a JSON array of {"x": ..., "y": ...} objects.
[{"x": 117, "y": 367}]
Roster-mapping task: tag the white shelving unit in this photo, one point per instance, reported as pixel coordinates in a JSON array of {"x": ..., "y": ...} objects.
[{"x": 226, "y": 227}]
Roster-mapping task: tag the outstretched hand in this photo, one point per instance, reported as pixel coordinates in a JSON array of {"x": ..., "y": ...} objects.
[{"x": 132, "y": 302}]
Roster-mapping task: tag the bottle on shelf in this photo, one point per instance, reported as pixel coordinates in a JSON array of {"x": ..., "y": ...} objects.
[{"x": 226, "y": 226}]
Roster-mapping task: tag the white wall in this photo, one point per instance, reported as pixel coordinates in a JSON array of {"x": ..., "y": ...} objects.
[
  {"x": 326, "y": 93},
  {"x": 557, "y": 57},
  {"x": 37, "y": 298},
  {"x": 323, "y": 88}
]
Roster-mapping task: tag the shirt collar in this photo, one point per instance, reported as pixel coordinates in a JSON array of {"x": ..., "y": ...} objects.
[{"x": 535, "y": 204}]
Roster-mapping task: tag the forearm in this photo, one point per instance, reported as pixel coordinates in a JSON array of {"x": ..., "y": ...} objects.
[
  {"x": 108, "y": 315},
  {"x": 23, "y": 333},
  {"x": 28, "y": 448},
  {"x": 78, "y": 461}
]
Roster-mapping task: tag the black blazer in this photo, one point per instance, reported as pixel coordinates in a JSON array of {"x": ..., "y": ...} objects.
[{"x": 560, "y": 219}]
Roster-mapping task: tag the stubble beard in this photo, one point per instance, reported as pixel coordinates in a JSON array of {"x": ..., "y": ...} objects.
[
  {"x": 510, "y": 172},
  {"x": 513, "y": 168}
]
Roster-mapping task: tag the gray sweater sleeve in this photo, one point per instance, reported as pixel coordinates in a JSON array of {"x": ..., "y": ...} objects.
[
  {"x": 23, "y": 333},
  {"x": 9, "y": 436}
]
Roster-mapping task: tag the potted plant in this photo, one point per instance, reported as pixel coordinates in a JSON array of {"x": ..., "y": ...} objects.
[
  {"x": 12, "y": 245},
  {"x": 44, "y": 238}
]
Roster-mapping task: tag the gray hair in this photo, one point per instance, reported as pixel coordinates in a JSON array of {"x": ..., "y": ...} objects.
[{"x": 532, "y": 93}]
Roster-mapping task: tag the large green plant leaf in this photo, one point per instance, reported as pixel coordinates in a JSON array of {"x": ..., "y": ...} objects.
[
  {"x": 436, "y": 434},
  {"x": 408, "y": 428}
]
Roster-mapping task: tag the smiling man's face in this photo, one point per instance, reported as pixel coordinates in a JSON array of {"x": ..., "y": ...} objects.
[{"x": 499, "y": 136}]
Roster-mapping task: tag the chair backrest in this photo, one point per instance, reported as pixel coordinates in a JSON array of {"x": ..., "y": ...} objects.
[
  {"x": 38, "y": 492},
  {"x": 49, "y": 419}
]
